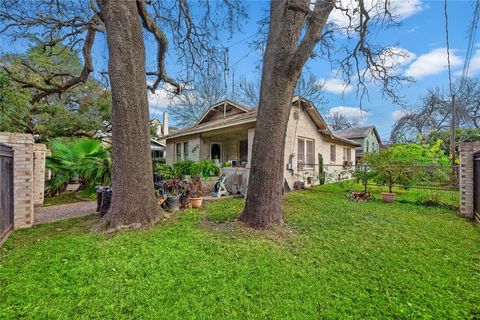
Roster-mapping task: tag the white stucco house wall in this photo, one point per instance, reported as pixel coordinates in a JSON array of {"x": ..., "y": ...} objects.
[{"x": 226, "y": 130}]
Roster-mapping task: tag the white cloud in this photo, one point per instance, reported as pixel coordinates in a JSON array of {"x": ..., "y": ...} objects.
[
  {"x": 403, "y": 9},
  {"x": 432, "y": 63},
  {"x": 159, "y": 100},
  {"x": 400, "y": 10},
  {"x": 350, "y": 113},
  {"x": 474, "y": 63},
  {"x": 395, "y": 57},
  {"x": 335, "y": 86},
  {"x": 397, "y": 114}
]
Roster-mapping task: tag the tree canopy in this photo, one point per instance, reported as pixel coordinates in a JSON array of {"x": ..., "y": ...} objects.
[{"x": 81, "y": 111}]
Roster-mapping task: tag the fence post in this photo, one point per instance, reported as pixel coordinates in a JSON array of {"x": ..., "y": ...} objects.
[{"x": 467, "y": 149}]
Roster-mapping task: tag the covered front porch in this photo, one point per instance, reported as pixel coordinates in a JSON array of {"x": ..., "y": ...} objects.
[{"x": 229, "y": 148}]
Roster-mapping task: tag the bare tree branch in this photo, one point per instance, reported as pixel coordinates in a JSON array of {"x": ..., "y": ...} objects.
[{"x": 162, "y": 43}]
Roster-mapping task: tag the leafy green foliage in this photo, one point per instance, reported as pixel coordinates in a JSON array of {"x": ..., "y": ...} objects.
[
  {"x": 205, "y": 168},
  {"x": 419, "y": 154},
  {"x": 179, "y": 169},
  {"x": 14, "y": 106},
  {"x": 85, "y": 158},
  {"x": 405, "y": 165},
  {"x": 321, "y": 171},
  {"x": 82, "y": 111},
  {"x": 461, "y": 135},
  {"x": 387, "y": 169},
  {"x": 183, "y": 168},
  {"x": 165, "y": 170},
  {"x": 337, "y": 259}
]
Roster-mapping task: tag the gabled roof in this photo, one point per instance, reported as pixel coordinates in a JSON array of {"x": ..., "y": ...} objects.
[
  {"x": 320, "y": 122},
  {"x": 204, "y": 118},
  {"x": 357, "y": 133},
  {"x": 248, "y": 115},
  {"x": 157, "y": 143}
]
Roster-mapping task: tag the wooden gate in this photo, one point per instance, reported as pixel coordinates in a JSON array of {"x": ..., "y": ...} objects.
[
  {"x": 6, "y": 191},
  {"x": 476, "y": 185}
]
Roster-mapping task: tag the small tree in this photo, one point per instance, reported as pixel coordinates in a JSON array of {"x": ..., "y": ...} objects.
[
  {"x": 321, "y": 171},
  {"x": 387, "y": 169}
]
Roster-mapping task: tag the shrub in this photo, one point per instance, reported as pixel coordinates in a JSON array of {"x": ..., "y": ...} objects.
[
  {"x": 174, "y": 187},
  {"x": 183, "y": 168},
  {"x": 86, "y": 159},
  {"x": 179, "y": 169},
  {"x": 205, "y": 168},
  {"x": 165, "y": 171}
]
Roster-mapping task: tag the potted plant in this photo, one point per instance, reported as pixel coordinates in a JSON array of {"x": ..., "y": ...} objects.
[
  {"x": 205, "y": 168},
  {"x": 195, "y": 192},
  {"x": 174, "y": 188}
]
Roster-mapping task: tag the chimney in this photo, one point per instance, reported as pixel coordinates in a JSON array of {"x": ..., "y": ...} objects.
[{"x": 165, "y": 124}]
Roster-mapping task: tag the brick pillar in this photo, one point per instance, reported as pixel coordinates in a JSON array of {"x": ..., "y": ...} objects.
[
  {"x": 22, "y": 177},
  {"x": 467, "y": 149},
  {"x": 39, "y": 156}
]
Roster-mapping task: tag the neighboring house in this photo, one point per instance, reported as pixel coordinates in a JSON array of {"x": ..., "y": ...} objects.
[
  {"x": 157, "y": 143},
  {"x": 225, "y": 133},
  {"x": 367, "y": 137},
  {"x": 158, "y": 149}
]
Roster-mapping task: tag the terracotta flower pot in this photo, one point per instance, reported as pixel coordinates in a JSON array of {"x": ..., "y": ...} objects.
[
  {"x": 196, "y": 202},
  {"x": 388, "y": 197}
]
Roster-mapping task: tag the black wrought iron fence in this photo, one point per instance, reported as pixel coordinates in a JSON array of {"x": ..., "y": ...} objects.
[{"x": 417, "y": 183}]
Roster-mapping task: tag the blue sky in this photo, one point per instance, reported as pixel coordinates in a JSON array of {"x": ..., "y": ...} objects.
[{"x": 421, "y": 34}]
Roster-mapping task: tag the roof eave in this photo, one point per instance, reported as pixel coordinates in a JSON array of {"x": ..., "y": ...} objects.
[
  {"x": 225, "y": 101},
  {"x": 219, "y": 126}
]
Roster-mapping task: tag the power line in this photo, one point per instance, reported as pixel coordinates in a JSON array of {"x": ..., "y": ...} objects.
[
  {"x": 240, "y": 41},
  {"x": 471, "y": 43}
]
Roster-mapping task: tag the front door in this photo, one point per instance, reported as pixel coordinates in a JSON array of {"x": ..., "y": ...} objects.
[{"x": 216, "y": 152}]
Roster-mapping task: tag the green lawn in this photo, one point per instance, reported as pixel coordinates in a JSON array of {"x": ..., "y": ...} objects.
[
  {"x": 448, "y": 198},
  {"x": 336, "y": 260}
]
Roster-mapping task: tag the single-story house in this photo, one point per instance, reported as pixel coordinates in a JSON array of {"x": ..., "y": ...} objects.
[
  {"x": 224, "y": 133},
  {"x": 158, "y": 149},
  {"x": 367, "y": 137}
]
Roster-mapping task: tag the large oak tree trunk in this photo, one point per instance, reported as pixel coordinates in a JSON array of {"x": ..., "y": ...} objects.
[
  {"x": 133, "y": 202},
  {"x": 282, "y": 63}
]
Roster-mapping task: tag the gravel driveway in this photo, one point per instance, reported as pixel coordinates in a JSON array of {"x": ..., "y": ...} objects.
[{"x": 64, "y": 211}]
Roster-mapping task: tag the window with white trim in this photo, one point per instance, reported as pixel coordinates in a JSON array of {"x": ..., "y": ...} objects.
[
  {"x": 185, "y": 150},
  {"x": 333, "y": 153},
  {"x": 178, "y": 151},
  {"x": 306, "y": 153}
]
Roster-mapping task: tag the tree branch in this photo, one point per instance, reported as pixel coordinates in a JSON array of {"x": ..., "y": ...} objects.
[
  {"x": 162, "y": 43},
  {"x": 316, "y": 22}
]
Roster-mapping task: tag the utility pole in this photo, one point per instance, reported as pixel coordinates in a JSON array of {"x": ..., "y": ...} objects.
[
  {"x": 452, "y": 132},
  {"x": 452, "y": 139}
]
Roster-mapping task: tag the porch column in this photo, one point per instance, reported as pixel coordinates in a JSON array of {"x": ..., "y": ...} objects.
[{"x": 251, "y": 133}]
